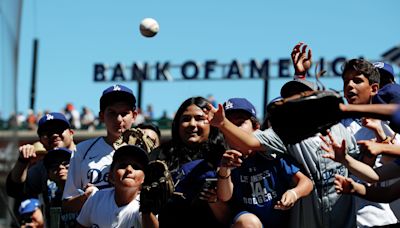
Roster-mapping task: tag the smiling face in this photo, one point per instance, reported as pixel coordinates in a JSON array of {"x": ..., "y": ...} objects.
[
  {"x": 56, "y": 136},
  {"x": 117, "y": 117},
  {"x": 193, "y": 128},
  {"x": 357, "y": 89}
]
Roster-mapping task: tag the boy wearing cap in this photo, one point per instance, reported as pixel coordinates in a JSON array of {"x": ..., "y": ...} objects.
[
  {"x": 323, "y": 207},
  {"x": 389, "y": 92},
  {"x": 119, "y": 206},
  {"x": 31, "y": 214},
  {"x": 90, "y": 164},
  {"x": 361, "y": 81},
  {"x": 262, "y": 188},
  {"x": 56, "y": 163},
  {"x": 29, "y": 178}
]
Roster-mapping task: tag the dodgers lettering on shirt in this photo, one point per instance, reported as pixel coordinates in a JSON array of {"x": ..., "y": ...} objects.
[{"x": 260, "y": 183}]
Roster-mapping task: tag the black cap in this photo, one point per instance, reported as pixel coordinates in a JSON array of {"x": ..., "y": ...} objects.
[
  {"x": 136, "y": 153},
  {"x": 56, "y": 157}
]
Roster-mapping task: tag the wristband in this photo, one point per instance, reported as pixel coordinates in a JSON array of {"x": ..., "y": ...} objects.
[
  {"x": 223, "y": 177},
  {"x": 294, "y": 193}
]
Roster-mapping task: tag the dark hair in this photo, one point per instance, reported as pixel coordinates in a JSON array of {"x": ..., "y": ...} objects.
[
  {"x": 254, "y": 121},
  {"x": 177, "y": 152},
  {"x": 364, "y": 67},
  {"x": 200, "y": 102}
]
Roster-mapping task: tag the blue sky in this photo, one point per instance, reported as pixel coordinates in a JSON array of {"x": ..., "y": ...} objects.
[{"x": 74, "y": 35}]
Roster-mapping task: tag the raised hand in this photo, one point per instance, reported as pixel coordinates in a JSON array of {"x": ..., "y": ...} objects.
[
  {"x": 215, "y": 116},
  {"x": 302, "y": 59},
  {"x": 336, "y": 151}
]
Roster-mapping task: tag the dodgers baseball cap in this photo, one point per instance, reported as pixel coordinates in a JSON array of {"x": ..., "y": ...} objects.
[
  {"x": 50, "y": 119},
  {"x": 235, "y": 104},
  {"x": 296, "y": 86},
  {"x": 389, "y": 94},
  {"x": 28, "y": 206},
  {"x": 56, "y": 157},
  {"x": 385, "y": 70},
  {"x": 136, "y": 153},
  {"x": 115, "y": 94}
]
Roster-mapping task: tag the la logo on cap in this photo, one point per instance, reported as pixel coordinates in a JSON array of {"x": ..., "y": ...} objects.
[
  {"x": 49, "y": 117},
  {"x": 228, "y": 105},
  {"x": 116, "y": 88},
  {"x": 379, "y": 64}
]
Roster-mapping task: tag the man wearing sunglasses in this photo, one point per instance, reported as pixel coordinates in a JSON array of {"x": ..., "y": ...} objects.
[{"x": 29, "y": 177}]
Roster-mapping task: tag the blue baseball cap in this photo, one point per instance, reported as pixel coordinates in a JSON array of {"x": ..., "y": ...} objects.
[
  {"x": 384, "y": 69},
  {"x": 234, "y": 104},
  {"x": 28, "y": 206},
  {"x": 389, "y": 94},
  {"x": 51, "y": 119},
  {"x": 56, "y": 157},
  {"x": 117, "y": 93}
]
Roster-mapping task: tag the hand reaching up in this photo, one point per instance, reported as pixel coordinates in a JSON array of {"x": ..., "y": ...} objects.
[
  {"x": 336, "y": 151},
  {"x": 302, "y": 59},
  {"x": 215, "y": 116}
]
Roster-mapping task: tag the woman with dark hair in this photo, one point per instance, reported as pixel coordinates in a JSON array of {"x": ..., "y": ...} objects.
[
  {"x": 192, "y": 156},
  {"x": 192, "y": 137}
]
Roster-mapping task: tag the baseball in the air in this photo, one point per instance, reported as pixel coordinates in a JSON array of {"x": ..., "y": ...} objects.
[{"x": 149, "y": 27}]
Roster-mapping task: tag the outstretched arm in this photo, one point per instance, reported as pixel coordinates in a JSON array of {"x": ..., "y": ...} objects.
[
  {"x": 345, "y": 185},
  {"x": 376, "y": 148},
  {"x": 337, "y": 152},
  {"x": 236, "y": 137},
  {"x": 378, "y": 111}
]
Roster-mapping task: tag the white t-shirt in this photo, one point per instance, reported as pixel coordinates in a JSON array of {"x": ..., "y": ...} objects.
[
  {"x": 100, "y": 210},
  {"x": 90, "y": 164},
  {"x": 370, "y": 213}
]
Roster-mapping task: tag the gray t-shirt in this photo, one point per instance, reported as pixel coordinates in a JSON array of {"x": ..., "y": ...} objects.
[{"x": 323, "y": 207}]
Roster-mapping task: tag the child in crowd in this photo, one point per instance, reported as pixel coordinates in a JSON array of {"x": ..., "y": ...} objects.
[
  {"x": 90, "y": 165},
  {"x": 119, "y": 206},
  {"x": 260, "y": 186},
  {"x": 31, "y": 214}
]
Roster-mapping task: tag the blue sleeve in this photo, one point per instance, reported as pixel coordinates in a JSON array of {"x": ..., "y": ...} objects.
[
  {"x": 289, "y": 165},
  {"x": 397, "y": 161}
]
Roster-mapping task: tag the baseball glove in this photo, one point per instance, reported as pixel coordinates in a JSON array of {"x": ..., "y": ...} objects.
[
  {"x": 303, "y": 115},
  {"x": 157, "y": 187},
  {"x": 135, "y": 136}
]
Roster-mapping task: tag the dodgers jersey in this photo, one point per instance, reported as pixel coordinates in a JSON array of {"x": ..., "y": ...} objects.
[
  {"x": 100, "y": 210},
  {"x": 90, "y": 164}
]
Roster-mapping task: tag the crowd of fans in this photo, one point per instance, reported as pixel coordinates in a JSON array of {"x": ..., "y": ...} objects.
[{"x": 228, "y": 169}]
